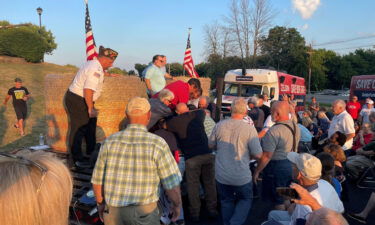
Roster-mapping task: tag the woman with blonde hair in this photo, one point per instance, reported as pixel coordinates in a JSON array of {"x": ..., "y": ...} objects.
[{"x": 35, "y": 189}]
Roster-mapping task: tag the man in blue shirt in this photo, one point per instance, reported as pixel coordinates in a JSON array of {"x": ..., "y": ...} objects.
[{"x": 155, "y": 76}]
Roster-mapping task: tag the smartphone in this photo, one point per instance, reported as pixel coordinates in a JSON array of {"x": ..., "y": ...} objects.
[{"x": 287, "y": 192}]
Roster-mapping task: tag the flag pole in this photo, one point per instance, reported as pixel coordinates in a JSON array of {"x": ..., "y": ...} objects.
[{"x": 183, "y": 72}]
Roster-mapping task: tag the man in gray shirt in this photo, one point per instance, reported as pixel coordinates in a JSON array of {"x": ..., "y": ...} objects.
[
  {"x": 235, "y": 142},
  {"x": 282, "y": 138}
]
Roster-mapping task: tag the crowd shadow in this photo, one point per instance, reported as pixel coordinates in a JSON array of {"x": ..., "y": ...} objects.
[
  {"x": 3, "y": 123},
  {"x": 31, "y": 138}
]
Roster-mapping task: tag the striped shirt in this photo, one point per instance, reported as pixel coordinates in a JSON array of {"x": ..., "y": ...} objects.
[{"x": 131, "y": 165}]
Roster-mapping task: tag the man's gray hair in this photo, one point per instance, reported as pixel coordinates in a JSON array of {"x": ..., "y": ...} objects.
[
  {"x": 239, "y": 106},
  {"x": 325, "y": 216},
  {"x": 340, "y": 102},
  {"x": 165, "y": 94},
  {"x": 254, "y": 100}
]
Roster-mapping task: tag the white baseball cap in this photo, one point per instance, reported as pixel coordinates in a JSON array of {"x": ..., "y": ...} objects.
[
  {"x": 137, "y": 106},
  {"x": 307, "y": 164},
  {"x": 369, "y": 101}
]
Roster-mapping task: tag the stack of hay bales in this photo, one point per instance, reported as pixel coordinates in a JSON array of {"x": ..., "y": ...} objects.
[
  {"x": 117, "y": 91},
  {"x": 205, "y": 83}
]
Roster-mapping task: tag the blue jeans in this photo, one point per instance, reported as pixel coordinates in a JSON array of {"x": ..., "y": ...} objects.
[
  {"x": 278, "y": 173},
  {"x": 280, "y": 216},
  {"x": 235, "y": 202}
]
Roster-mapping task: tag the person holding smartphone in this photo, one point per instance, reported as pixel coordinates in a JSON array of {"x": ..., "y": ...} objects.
[{"x": 307, "y": 171}]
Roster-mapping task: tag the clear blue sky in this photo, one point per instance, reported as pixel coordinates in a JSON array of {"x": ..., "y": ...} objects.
[{"x": 139, "y": 29}]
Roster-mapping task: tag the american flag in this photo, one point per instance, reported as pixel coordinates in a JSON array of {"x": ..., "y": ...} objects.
[
  {"x": 90, "y": 42},
  {"x": 188, "y": 61}
]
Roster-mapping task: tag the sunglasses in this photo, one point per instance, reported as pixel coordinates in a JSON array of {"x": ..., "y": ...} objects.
[{"x": 28, "y": 162}]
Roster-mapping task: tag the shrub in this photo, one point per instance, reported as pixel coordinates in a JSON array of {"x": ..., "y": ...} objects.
[{"x": 27, "y": 41}]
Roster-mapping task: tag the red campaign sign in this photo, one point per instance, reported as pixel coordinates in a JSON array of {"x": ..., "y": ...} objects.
[{"x": 290, "y": 84}]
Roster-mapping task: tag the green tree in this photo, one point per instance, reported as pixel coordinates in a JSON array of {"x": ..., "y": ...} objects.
[
  {"x": 176, "y": 69},
  {"x": 140, "y": 67},
  {"x": 369, "y": 56},
  {"x": 4, "y": 23},
  {"x": 346, "y": 71},
  {"x": 333, "y": 62},
  {"x": 201, "y": 69},
  {"x": 286, "y": 50},
  {"x": 27, "y": 41},
  {"x": 319, "y": 69},
  {"x": 117, "y": 71}
]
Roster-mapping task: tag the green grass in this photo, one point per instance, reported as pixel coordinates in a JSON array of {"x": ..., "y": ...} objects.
[{"x": 33, "y": 78}]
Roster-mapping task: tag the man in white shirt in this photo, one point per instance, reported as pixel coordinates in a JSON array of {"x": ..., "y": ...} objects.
[
  {"x": 343, "y": 122},
  {"x": 79, "y": 100},
  {"x": 366, "y": 111},
  {"x": 307, "y": 170}
]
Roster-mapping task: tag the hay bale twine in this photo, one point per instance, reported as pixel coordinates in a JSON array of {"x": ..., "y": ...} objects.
[
  {"x": 205, "y": 83},
  {"x": 117, "y": 91}
]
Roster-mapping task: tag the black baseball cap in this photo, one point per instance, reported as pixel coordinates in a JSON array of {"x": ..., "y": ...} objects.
[{"x": 18, "y": 80}]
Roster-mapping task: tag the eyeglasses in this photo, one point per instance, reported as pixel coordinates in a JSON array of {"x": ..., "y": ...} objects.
[{"x": 28, "y": 162}]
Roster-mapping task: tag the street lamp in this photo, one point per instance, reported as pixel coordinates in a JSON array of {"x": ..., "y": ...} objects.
[{"x": 39, "y": 11}]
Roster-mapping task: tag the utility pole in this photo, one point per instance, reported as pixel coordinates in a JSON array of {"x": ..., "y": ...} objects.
[{"x": 310, "y": 52}]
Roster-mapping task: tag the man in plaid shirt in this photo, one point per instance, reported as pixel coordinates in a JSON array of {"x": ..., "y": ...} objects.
[{"x": 130, "y": 166}]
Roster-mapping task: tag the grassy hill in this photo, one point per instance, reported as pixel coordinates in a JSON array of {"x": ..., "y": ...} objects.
[{"x": 33, "y": 78}]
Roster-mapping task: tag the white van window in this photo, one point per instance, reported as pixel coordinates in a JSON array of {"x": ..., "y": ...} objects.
[
  {"x": 232, "y": 90},
  {"x": 272, "y": 95},
  {"x": 265, "y": 91},
  {"x": 250, "y": 90}
]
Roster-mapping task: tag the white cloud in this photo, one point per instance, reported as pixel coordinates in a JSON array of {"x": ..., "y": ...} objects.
[
  {"x": 305, "y": 26},
  {"x": 306, "y": 7}
]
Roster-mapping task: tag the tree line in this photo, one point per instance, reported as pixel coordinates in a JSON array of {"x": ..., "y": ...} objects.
[
  {"x": 245, "y": 38},
  {"x": 284, "y": 49}
]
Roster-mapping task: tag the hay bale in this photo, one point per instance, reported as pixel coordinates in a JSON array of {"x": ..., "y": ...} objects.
[
  {"x": 117, "y": 91},
  {"x": 205, "y": 83}
]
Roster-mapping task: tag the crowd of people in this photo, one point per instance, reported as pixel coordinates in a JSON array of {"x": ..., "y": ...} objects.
[
  {"x": 175, "y": 144},
  {"x": 222, "y": 160}
]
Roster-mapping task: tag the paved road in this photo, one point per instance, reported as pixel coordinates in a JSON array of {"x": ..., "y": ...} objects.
[{"x": 327, "y": 99}]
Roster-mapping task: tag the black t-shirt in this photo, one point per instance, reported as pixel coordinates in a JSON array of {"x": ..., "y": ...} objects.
[
  {"x": 17, "y": 95},
  {"x": 168, "y": 137},
  {"x": 257, "y": 115},
  {"x": 266, "y": 110},
  {"x": 190, "y": 133}
]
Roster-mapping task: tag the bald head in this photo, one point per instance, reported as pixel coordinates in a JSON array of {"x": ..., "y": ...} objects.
[
  {"x": 280, "y": 111},
  {"x": 325, "y": 216},
  {"x": 181, "y": 108},
  {"x": 203, "y": 102}
]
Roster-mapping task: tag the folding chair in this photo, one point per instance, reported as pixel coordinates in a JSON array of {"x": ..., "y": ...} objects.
[{"x": 367, "y": 180}]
